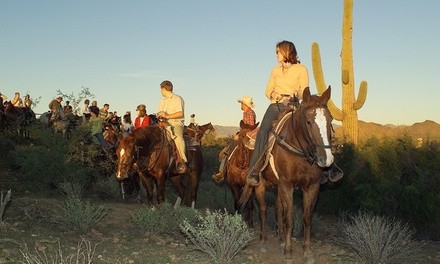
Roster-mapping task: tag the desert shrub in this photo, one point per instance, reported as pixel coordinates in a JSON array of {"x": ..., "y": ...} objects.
[
  {"x": 76, "y": 213},
  {"x": 162, "y": 219},
  {"x": 376, "y": 239},
  {"x": 83, "y": 254},
  {"x": 392, "y": 177},
  {"x": 220, "y": 235}
]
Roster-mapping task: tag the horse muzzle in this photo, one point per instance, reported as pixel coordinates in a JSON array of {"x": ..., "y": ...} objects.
[
  {"x": 325, "y": 161},
  {"x": 121, "y": 176}
]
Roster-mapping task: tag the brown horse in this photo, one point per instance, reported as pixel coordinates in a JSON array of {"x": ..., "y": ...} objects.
[
  {"x": 197, "y": 132},
  {"x": 149, "y": 151},
  {"x": 301, "y": 149},
  {"x": 237, "y": 165}
]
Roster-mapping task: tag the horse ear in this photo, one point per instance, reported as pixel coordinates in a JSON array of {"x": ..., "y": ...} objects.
[
  {"x": 327, "y": 93},
  {"x": 306, "y": 94}
]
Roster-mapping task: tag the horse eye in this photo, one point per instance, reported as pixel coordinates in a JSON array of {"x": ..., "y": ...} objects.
[{"x": 309, "y": 123}]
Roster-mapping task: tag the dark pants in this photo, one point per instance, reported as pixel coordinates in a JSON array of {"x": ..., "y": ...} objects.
[{"x": 270, "y": 116}]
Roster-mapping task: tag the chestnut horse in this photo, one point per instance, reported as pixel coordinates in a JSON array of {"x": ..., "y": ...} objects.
[
  {"x": 301, "y": 149},
  {"x": 149, "y": 151},
  {"x": 236, "y": 167}
]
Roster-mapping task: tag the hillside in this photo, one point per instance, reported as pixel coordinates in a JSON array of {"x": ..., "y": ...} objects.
[
  {"x": 424, "y": 130},
  {"x": 419, "y": 131}
]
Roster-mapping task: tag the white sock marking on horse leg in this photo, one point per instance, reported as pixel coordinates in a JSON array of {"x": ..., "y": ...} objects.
[
  {"x": 321, "y": 121},
  {"x": 193, "y": 204},
  {"x": 177, "y": 203}
]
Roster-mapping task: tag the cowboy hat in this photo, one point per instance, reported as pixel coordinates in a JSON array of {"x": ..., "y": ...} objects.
[{"x": 247, "y": 100}]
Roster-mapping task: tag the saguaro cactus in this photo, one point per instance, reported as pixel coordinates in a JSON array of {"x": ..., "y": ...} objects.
[{"x": 348, "y": 113}]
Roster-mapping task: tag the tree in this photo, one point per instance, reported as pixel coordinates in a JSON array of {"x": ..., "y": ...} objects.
[{"x": 75, "y": 102}]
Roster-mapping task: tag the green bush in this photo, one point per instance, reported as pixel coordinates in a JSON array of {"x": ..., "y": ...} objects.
[
  {"x": 79, "y": 214},
  {"x": 220, "y": 235},
  {"x": 392, "y": 177},
  {"x": 375, "y": 239},
  {"x": 163, "y": 219}
]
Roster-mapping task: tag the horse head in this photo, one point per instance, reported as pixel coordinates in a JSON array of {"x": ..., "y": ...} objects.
[
  {"x": 315, "y": 125},
  {"x": 125, "y": 154}
]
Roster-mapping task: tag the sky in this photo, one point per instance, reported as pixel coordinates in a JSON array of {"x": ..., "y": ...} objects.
[{"x": 216, "y": 52}]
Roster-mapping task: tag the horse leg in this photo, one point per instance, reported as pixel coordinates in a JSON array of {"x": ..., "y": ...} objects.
[
  {"x": 309, "y": 199},
  {"x": 192, "y": 185},
  {"x": 149, "y": 187},
  {"x": 260, "y": 192},
  {"x": 180, "y": 188},
  {"x": 160, "y": 183},
  {"x": 249, "y": 212},
  {"x": 236, "y": 196},
  {"x": 279, "y": 219},
  {"x": 286, "y": 198}
]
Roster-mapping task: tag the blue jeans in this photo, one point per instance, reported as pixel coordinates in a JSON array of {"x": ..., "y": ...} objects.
[
  {"x": 101, "y": 140},
  {"x": 271, "y": 115}
]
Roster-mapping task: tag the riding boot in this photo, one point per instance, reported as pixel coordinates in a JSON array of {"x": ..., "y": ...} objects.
[
  {"x": 181, "y": 168},
  {"x": 218, "y": 177},
  {"x": 253, "y": 178},
  {"x": 335, "y": 173}
]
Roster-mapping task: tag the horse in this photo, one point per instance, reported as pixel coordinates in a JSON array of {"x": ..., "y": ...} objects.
[
  {"x": 18, "y": 118},
  {"x": 236, "y": 167},
  {"x": 64, "y": 125},
  {"x": 149, "y": 151},
  {"x": 299, "y": 150},
  {"x": 197, "y": 132}
]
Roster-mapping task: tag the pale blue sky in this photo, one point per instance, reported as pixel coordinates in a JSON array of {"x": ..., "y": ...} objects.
[{"x": 218, "y": 51}]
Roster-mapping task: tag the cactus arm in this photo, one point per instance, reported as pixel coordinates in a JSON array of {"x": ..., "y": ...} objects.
[
  {"x": 320, "y": 83},
  {"x": 362, "y": 96},
  {"x": 318, "y": 74}
]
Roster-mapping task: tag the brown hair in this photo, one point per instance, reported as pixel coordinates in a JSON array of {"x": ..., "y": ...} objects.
[
  {"x": 288, "y": 50},
  {"x": 167, "y": 85}
]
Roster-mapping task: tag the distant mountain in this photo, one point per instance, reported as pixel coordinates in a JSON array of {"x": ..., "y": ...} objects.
[
  {"x": 424, "y": 130},
  {"x": 225, "y": 131}
]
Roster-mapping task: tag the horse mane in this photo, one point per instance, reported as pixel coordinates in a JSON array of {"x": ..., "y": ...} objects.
[{"x": 147, "y": 137}]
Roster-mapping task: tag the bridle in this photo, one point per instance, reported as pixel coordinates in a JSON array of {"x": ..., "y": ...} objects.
[{"x": 307, "y": 150}]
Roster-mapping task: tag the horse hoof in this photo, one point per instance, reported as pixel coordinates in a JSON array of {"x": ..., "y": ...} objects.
[{"x": 263, "y": 249}]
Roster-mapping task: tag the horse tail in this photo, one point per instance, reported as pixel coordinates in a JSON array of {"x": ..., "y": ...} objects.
[{"x": 245, "y": 195}]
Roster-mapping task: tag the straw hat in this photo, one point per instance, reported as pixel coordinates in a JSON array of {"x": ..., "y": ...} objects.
[{"x": 247, "y": 100}]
